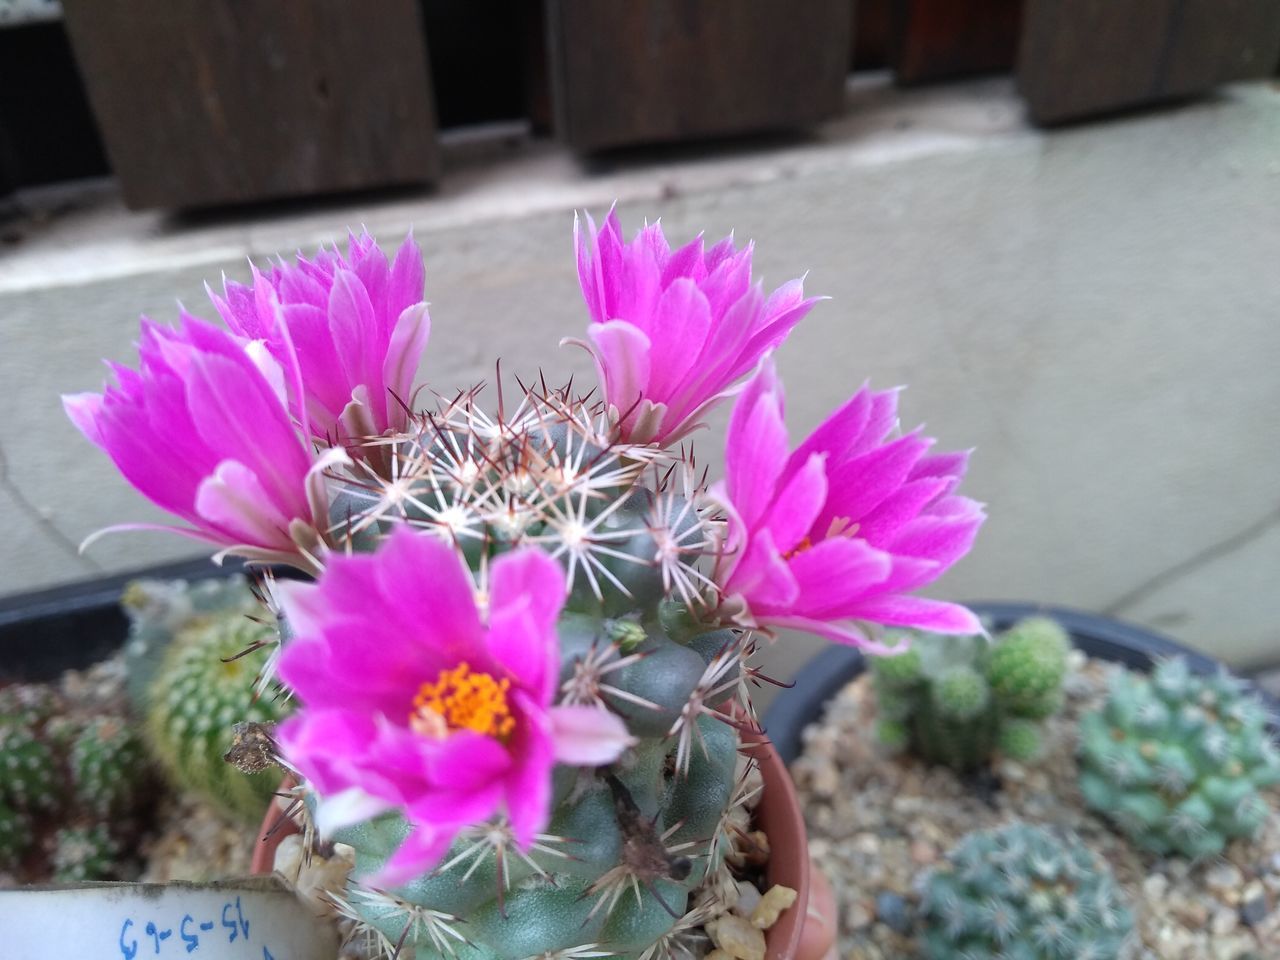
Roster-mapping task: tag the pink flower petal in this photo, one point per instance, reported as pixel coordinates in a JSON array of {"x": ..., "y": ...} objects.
[
  {"x": 420, "y": 851},
  {"x": 622, "y": 352},
  {"x": 84, "y": 409},
  {"x": 527, "y": 590},
  {"x": 933, "y": 615},
  {"x": 588, "y": 736},
  {"x": 755, "y": 447},
  {"x": 699, "y": 325}
]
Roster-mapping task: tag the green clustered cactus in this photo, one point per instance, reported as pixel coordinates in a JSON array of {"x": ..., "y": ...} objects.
[
  {"x": 633, "y": 851},
  {"x": 57, "y": 762},
  {"x": 1177, "y": 760},
  {"x": 957, "y": 700},
  {"x": 1024, "y": 892},
  {"x": 196, "y": 654}
]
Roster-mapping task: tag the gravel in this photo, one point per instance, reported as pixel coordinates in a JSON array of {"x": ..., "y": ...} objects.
[{"x": 877, "y": 822}]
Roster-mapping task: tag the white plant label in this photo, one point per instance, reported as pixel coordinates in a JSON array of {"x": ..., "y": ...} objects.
[{"x": 135, "y": 921}]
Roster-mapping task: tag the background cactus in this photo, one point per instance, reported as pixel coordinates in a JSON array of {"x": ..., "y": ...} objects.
[
  {"x": 84, "y": 852},
  {"x": 1023, "y": 891},
  {"x": 956, "y": 700},
  {"x": 32, "y": 780},
  {"x": 108, "y": 767},
  {"x": 1178, "y": 760},
  {"x": 636, "y": 851},
  {"x": 195, "y": 656},
  {"x": 57, "y": 760}
]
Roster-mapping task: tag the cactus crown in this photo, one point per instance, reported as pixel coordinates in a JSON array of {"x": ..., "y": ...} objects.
[
  {"x": 1023, "y": 891},
  {"x": 629, "y": 522},
  {"x": 1178, "y": 760},
  {"x": 956, "y": 700}
]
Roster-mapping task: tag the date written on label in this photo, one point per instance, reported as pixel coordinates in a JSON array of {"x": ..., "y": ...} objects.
[{"x": 143, "y": 937}]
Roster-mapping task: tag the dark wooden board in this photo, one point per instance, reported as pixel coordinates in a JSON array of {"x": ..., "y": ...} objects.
[
  {"x": 204, "y": 103},
  {"x": 640, "y": 71},
  {"x": 933, "y": 40},
  {"x": 1090, "y": 57}
]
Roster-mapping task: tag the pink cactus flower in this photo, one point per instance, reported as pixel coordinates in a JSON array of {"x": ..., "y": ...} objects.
[
  {"x": 672, "y": 331},
  {"x": 357, "y": 325},
  {"x": 830, "y": 537},
  {"x": 415, "y": 700},
  {"x": 200, "y": 430}
]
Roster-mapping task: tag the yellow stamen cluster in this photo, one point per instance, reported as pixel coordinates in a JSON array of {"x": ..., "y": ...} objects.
[
  {"x": 839, "y": 527},
  {"x": 461, "y": 700}
]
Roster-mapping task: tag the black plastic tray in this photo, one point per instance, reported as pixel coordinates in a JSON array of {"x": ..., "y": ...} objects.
[
  {"x": 73, "y": 626},
  {"x": 1098, "y": 636}
]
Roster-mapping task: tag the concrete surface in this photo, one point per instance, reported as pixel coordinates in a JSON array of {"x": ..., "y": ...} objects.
[{"x": 1095, "y": 310}]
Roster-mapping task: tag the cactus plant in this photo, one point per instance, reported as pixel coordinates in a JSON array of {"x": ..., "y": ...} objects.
[
  {"x": 1177, "y": 760},
  {"x": 201, "y": 649},
  {"x": 522, "y": 664},
  {"x": 1023, "y": 891},
  {"x": 109, "y": 767},
  {"x": 625, "y": 848},
  {"x": 956, "y": 701},
  {"x": 84, "y": 852}
]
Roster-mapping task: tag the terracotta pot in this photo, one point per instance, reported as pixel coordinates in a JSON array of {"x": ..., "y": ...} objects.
[{"x": 778, "y": 815}]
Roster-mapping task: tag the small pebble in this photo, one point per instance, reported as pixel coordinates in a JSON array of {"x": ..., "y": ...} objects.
[
  {"x": 1224, "y": 878},
  {"x": 748, "y": 897},
  {"x": 737, "y": 937},
  {"x": 1224, "y": 921},
  {"x": 923, "y": 853},
  {"x": 1254, "y": 911},
  {"x": 859, "y": 915},
  {"x": 1193, "y": 914},
  {"x": 867, "y": 843},
  {"x": 775, "y": 900},
  {"x": 1155, "y": 887},
  {"x": 891, "y": 910}
]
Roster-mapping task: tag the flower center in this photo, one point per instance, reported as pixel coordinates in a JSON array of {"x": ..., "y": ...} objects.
[
  {"x": 459, "y": 699},
  {"x": 839, "y": 527}
]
